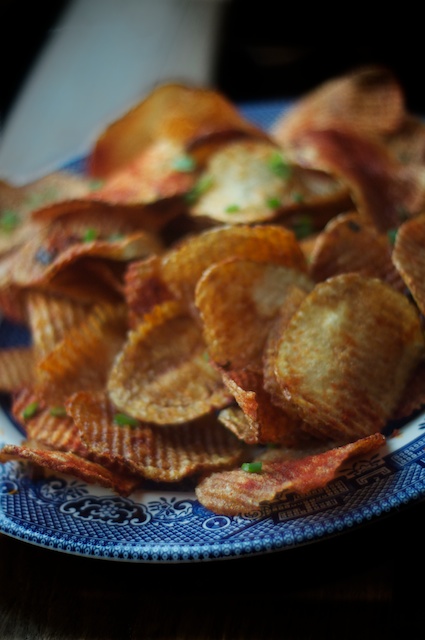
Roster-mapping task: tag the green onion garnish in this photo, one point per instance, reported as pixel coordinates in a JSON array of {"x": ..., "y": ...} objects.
[
  {"x": 30, "y": 410},
  {"x": 279, "y": 165},
  {"x": 9, "y": 220},
  {"x": 123, "y": 419},
  {"x": 184, "y": 163},
  {"x": 58, "y": 411},
  {"x": 303, "y": 227},
  {"x": 232, "y": 208},
  {"x": 203, "y": 184},
  {"x": 89, "y": 235},
  {"x": 252, "y": 467},
  {"x": 273, "y": 203},
  {"x": 392, "y": 235}
]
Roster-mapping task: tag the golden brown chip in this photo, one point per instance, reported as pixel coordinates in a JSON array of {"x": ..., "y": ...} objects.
[
  {"x": 70, "y": 464},
  {"x": 50, "y": 317},
  {"x": 162, "y": 373},
  {"x": 381, "y": 188},
  {"x": 263, "y": 422},
  {"x": 351, "y": 243},
  {"x": 84, "y": 357},
  {"x": 16, "y": 368},
  {"x": 409, "y": 257},
  {"x": 166, "y": 454},
  {"x": 237, "y": 491},
  {"x": 250, "y": 180},
  {"x": 183, "y": 265},
  {"x": 18, "y": 202},
  {"x": 174, "y": 112},
  {"x": 238, "y": 300},
  {"x": 345, "y": 357},
  {"x": 48, "y": 426},
  {"x": 369, "y": 99}
]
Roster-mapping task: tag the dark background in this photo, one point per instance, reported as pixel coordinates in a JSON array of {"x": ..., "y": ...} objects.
[{"x": 266, "y": 49}]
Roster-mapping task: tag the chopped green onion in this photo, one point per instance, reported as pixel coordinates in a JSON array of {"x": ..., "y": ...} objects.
[
  {"x": 89, "y": 235},
  {"x": 123, "y": 419},
  {"x": 203, "y": 184},
  {"x": 303, "y": 227},
  {"x": 96, "y": 184},
  {"x": 115, "y": 237},
  {"x": 232, "y": 208},
  {"x": 30, "y": 410},
  {"x": 9, "y": 220},
  {"x": 58, "y": 411},
  {"x": 273, "y": 203},
  {"x": 279, "y": 165},
  {"x": 184, "y": 163},
  {"x": 298, "y": 197},
  {"x": 252, "y": 467},
  {"x": 392, "y": 235}
]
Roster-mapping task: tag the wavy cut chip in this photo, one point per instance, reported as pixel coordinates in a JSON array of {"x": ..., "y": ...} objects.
[
  {"x": 85, "y": 355},
  {"x": 344, "y": 359},
  {"x": 238, "y": 300},
  {"x": 409, "y": 257},
  {"x": 166, "y": 454},
  {"x": 163, "y": 374},
  {"x": 251, "y": 181},
  {"x": 237, "y": 491}
]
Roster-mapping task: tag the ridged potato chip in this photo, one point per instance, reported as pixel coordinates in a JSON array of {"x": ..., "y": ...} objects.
[
  {"x": 163, "y": 374},
  {"x": 238, "y": 300},
  {"x": 166, "y": 454},
  {"x": 346, "y": 355}
]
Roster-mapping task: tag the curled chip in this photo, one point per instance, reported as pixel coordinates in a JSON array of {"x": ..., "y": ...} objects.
[
  {"x": 50, "y": 317},
  {"x": 250, "y": 181},
  {"x": 238, "y": 300},
  {"x": 369, "y": 100},
  {"x": 351, "y": 243},
  {"x": 409, "y": 257},
  {"x": 85, "y": 355},
  {"x": 183, "y": 265},
  {"x": 173, "y": 112},
  {"x": 261, "y": 422},
  {"x": 163, "y": 374},
  {"x": 71, "y": 464},
  {"x": 238, "y": 491},
  {"x": 166, "y": 454},
  {"x": 346, "y": 355},
  {"x": 16, "y": 368}
]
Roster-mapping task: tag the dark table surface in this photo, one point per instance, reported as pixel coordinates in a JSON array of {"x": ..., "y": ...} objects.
[{"x": 366, "y": 583}]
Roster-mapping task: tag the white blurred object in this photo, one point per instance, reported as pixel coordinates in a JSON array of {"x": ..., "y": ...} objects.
[{"x": 102, "y": 57}]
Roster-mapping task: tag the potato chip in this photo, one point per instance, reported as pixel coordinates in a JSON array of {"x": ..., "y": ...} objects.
[
  {"x": 50, "y": 317},
  {"x": 237, "y": 491},
  {"x": 263, "y": 422},
  {"x": 346, "y": 355},
  {"x": 251, "y": 181},
  {"x": 85, "y": 355},
  {"x": 166, "y": 454},
  {"x": 16, "y": 368},
  {"x": 236, "y": 291},
  {"x": 174, "y": 112},
  {"x": 18, "y": 202},
  {"x": 66, "y": 462},
  {"x": 163, "y": 374},
  {"x": 409, "y": 257},
  {"x": 369, "y": 100},
  {"x": 46, "y": 425},
  {"x": 351, "y": 243},
  {"x": 183, "y": 265}
]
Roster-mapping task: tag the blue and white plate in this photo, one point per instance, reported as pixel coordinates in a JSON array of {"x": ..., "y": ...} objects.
[{"x": 167, "y": 524}]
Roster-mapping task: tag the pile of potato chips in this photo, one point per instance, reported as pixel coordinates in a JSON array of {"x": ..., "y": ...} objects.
[{"x": 216, "y": 302}]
